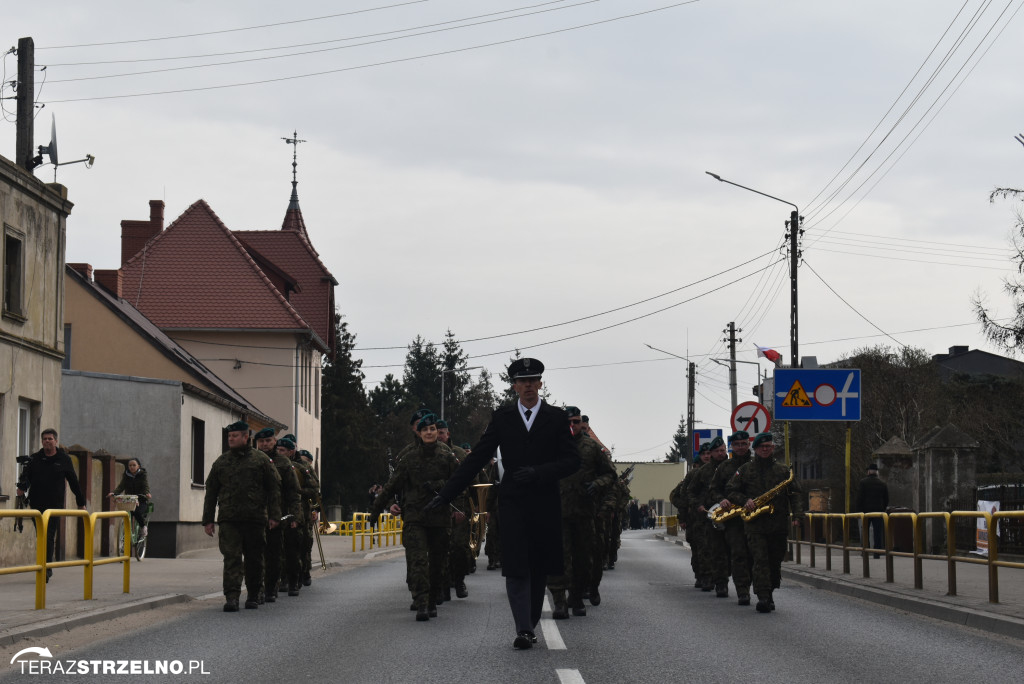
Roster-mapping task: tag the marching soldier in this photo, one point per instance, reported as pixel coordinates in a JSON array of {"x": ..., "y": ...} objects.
[
  {"x": 425, "y": 534},
  {"x": 579, "y": 493},
  {"x": 767, "y": 533},
  {"x": 458, "y": 552},
  {"x": 244, "y": 485},
  {"x": 703, "y": 499},
  {"x": 310, "y": 494},
  {"x": 275, "y": 556},
  {"x": 701, "y": 546},
  {"x": 602, "y": 531},
  {"x": 733, "y": 536},
  {"x": 294, "y": 537},
  {"x": 680, "y": 498}
]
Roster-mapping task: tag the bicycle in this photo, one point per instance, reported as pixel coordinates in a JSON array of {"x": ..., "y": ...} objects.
[{"x": 129, "y": 502}]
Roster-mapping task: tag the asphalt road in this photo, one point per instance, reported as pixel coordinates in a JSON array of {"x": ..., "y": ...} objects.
[{"x": 652, "y": 626}]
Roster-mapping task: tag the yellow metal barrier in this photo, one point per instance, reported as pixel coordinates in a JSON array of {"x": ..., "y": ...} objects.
[
  {"x": 126, "y": 559},
  {"x": 42, "y": 523},
  {"x": 918, "y": 523}
]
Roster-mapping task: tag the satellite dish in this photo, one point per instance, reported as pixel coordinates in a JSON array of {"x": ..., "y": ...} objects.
[{"x": 51, "y": 149}]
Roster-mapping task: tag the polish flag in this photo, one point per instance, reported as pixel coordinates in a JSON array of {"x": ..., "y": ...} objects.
[{"x": 769, "y": 354}]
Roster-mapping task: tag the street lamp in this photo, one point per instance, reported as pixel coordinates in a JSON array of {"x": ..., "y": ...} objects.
[
  {"x": 451, "y": 370},
  {"x": 728, "y": 364},
  {"x": 794, "y": 232}
]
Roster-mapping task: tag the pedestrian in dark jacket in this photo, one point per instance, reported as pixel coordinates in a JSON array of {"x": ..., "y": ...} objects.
[
  {"x": 43, "y": 479},
  {"x": 873, "y": 497},
  {"x": 136, "y": 482}
]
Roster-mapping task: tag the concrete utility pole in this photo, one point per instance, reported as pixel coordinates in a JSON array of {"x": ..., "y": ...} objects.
[
  {"x": 26, "y": 103},
  {"x": 731, "y": 339},
  {"x": 794, "y": 258},
  {"x": 691, "y": 381}
]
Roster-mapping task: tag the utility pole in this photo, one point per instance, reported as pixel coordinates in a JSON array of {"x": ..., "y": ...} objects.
[
  {"x": 731, "y": 339},
  {"x": 26, "y": 103},
  {"x": 691, "y": 381},
  {"x": 795, "y": 231}
]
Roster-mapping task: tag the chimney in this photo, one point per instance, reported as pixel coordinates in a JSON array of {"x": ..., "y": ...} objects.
[
  {"x": 956, "y": 351},
  {"x": 110, "y": 280},
  {"x": 135, "y": 234},
  {"x": 84, "y": 269}
]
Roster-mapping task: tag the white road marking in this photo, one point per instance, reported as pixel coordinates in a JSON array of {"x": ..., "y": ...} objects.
[
  {"x": 569, "y": 676},
  {"x": 552, "y": 637}
]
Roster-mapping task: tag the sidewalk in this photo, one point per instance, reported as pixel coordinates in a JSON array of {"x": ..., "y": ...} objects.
[
  {"x": 970, "y": 607},
  {"x": 155, "y": 582}
]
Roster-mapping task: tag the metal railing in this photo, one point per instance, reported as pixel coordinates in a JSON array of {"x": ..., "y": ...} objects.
[
  {"x": 41, "y": 524},
  {"x": 387, "y": 531},
  {"x": 918, "y": 526}
]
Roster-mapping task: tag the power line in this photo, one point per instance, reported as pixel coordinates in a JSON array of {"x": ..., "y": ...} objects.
[
  {"x": 852, "y": 307},
  {"x": 234, "y": 30},
  {"x": 399, "y": 60},
  {"x": 916, "y": 261}
]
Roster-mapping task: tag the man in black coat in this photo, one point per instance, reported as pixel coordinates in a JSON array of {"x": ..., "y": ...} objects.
[
  {"x": 537, "y": 450},
  {"x": 873, "y": 497},
  {"x": 43, "y": 478}
]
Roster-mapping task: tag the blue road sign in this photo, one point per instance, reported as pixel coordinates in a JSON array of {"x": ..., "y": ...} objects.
[
  {"x": 702, "y": 436},
  {"x": 817, "y": 394}
]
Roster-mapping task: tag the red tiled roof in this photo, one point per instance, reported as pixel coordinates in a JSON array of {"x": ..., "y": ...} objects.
[
  {"x": 291, "y": 252},
  {"x": 197, "y": 275}
]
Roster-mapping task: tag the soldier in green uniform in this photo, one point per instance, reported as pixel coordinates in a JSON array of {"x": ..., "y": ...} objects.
[
  {"x": 696, "y": 493},
  {"x": 458, "y": 550},
  {"x": 733, "y": 536},
  {"x": 275, "y": 557},
  {"x": 680, "y": 498},
  {"x": 425, "y": 534},
  {"x": 294, "y": 537},
  {"x": 313, "y": 480},
  {"x": 244, "y": 485},
  {"x": 767, "y": 533},
  {"x": 619, "y": 504},
  {"x": 579, "y": 492},
  {"x": 605, "y": 506},
  {"x": 703, "y": 499}
]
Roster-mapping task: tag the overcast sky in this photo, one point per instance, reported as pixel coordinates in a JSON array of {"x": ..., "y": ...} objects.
[{"x": 523, "y": 180}]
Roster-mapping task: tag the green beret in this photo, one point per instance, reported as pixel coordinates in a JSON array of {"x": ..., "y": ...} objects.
[
  {"x": 762, "y": 438},
  {"x": 705, "y": 447},
  {"x": 264, "y": 433},
  {"x": 573, "y": 411},
  {"x": 426, "y": 421},
  {"x": 419, "y": 415},
  {"x": 466, "y": 445},
  {"x": 739, "y": 434},
  {"x": 286, "y": 443},
  {"x": 715, "y": 443},
  {"x": 240, "y": 426},
  {"x": 586, "y": 419},
  {"x": 696, "y": 459},
  {"x": 441, "y": 425},
  {"x": 305, "y": 454}
]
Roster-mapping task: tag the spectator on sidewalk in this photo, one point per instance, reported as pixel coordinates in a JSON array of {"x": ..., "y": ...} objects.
[{"x": 873, "y": 497}]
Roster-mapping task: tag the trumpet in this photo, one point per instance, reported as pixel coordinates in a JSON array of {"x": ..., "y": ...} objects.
[{"x": 478, "y": 523}]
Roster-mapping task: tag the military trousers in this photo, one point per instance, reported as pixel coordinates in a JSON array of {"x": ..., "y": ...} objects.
[
  {"x": 426, "y": 549},
  {"x": 614, "y": 539},
  {"x": 273, "y": 559},
  {"x": 719, "y": 556},
  {"x": 458, "y": 552},
  {"x": 293, "y": 550},
  {"x": 700, "y": 546},
  {"x": 577, "y": 555},
  {"x": 307, "y": 550},
  {"x": 768, "y": 551},
  {"x": 740, "y": 561},
  {"x": 600, "y": 550},
  {"x": 242, "y": 545}
]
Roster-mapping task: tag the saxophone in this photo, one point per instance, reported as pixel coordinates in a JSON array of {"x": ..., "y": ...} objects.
[{"x": 764, "y": 503}]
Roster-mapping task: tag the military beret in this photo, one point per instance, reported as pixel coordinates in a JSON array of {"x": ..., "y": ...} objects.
[
  {"x": 696, "y": 459},
  {"x": 426, "y": 421},
  {"x": 739, "y": 434},
  {"x": 305, "y": 454},
  {"x": 715, "y": 443},
  {"x": 418, "y": 415},
  {"x": 466, "y": 445},
  {"x": 586, "y": 419},
  {"x": 705, "y": 447},
  {"x": 264, "y": 433},
  {"x": 286, "y": 443},
  {"x": 441, "y": 424},
  {"x": 525, "y": 368},
  {"x": 240, "y": 426},
  {"x": 292, "y": 437},
  {"x": 762, "y": 438},
  {"x": 573, "y": 411}
]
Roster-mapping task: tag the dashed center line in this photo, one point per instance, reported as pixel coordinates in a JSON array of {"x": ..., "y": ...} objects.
[
  {"x": 569, "y": 676},
  {"x": 552, "y": 637}
]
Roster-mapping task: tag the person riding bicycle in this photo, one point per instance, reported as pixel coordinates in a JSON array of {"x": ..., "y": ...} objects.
[{"x": 134, "y": 481}]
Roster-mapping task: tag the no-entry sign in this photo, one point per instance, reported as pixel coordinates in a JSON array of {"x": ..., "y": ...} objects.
[{"x": 751, "y": 417}]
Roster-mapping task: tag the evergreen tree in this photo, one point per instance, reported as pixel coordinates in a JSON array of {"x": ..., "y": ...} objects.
[
  {"x": 422, "y": 376},
  {"x": 681, "y": 451},
  {"x": 456, "y": 379}
]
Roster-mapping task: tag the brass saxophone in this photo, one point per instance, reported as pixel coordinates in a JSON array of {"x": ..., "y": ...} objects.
[{"x": 764, "y": 503}]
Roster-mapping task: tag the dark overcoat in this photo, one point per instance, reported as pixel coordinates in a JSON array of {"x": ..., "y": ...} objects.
[{"x": 531, "y": 534}]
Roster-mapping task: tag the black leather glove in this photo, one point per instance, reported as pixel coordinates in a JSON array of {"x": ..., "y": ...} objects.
[
  {"x": 433, "y": 503},
  {"x": 525, "y": 475},
  {"x": 591, "y": 488}
]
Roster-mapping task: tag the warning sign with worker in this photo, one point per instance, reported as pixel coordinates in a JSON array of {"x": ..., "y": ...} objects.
[{"x": 817, "y": 394}]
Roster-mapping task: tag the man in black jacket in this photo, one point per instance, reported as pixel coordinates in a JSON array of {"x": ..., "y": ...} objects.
[
  {"x": 873, "y": 497},
  {"x": 43, "y": 478},
  {"x": 537, "y": 450}
]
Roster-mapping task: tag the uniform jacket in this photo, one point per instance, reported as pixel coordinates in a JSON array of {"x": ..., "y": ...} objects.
[
  {"x": 530, "y": 533},
  {"x": 757, "y": 477},
  {"x": 872, "y": 495},
  {"x": 244, "y": 485},
  {"x": 290, "y": 503},
  {"x": 309, "y": 487},
  {"x": 700, "y": 488},
  {"x": 724, "y": 473},
  {"x": 137, "y": 484},
  {"x": 594, "y": 467},
  {"x": 43, "y": 478},
  {"x": 417, "y": 477}
]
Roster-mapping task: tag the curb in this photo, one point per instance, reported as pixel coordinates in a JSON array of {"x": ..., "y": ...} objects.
[
  {"x": 1003, "y": 625},
  {"x": 63, "y": 624}
]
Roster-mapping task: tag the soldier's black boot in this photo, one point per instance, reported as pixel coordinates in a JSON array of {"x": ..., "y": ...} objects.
[
  {"x": 722, "y": 590},
  {"x": 771, "y": 602},
  {"x": 561, "y": 609},
  {"x": 461, "y": 591},
  {"x": 576, "y": 603},
  {"x": 595, "y": 597},
  {"x": 422, "y": 615},
  {"x": 492, "y": 564},
  {"x": 763, "y": 605},
  {"x": 698, "y": 583},
  {"x": 231, "y": 605},
  {"x": 251, "y": 602},
  {"x": 431, "y": 610},
  {"x": 271, "y": 596},
  {"x": 439, "y": 597},
  {"x": 744, "y": 600},
  {"x": 307, "y": 580},
  {"x": 447, "y": 593},
  {"x": 706, "y": 584},
  {"x": 293, "y": 589},
  {"x": 262, "y": 598}
]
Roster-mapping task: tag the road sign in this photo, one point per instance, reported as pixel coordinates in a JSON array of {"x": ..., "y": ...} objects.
[
  {"x": 702, "y": 436},
  {"x": 817, "y": 394},
  {"x": 751, "y": 417}
]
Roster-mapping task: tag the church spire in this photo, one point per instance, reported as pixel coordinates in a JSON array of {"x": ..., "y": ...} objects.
[{"x": 293, "y": 216}]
